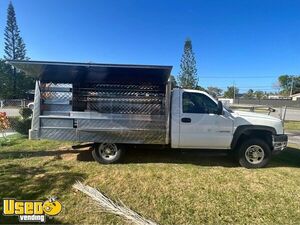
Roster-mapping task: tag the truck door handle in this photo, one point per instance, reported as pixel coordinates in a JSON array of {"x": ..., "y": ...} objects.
[{"x": 186, "y": 120}]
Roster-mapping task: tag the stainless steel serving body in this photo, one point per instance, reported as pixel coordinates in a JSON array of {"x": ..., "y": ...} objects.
[{"x": 86, "y": 108}]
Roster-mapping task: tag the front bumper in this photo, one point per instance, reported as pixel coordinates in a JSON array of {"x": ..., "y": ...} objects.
[{"x": 279, "y": 143}]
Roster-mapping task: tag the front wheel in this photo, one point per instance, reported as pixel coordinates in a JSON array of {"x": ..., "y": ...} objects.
[
  {"x": 107, "y": 153},
  {"x": 254, "y": 153}
]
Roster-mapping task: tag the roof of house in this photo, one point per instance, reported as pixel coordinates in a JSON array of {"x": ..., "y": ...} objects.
[
  {"x": 295, "y": 95},
  {"x": 73, "y": 72}
]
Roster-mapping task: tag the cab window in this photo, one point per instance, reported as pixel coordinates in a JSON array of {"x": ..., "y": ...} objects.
[{"x": 198, "y": 103}]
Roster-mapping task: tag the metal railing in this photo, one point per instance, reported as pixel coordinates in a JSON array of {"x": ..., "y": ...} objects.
[{"x": 14, "y": 103}]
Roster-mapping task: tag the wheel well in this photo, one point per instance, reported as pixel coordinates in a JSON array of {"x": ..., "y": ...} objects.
[{"x": 264, "y": 135}]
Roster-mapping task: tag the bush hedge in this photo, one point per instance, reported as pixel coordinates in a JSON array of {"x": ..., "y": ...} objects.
[
  {"x": 20, "y": 125},
  {"x": 25, "y": 112}
]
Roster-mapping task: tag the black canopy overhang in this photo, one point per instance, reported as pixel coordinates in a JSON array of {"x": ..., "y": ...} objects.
[{"x": 68, "y": 72}]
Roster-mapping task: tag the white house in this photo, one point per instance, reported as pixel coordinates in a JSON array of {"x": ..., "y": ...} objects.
[
  {"x": 226, "y": 101},
  {"x": 295, "y": 97}
]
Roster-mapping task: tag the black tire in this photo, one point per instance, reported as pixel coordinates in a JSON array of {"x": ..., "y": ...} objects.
[
  {"x": 246, "y": 157},
  {"x": 101, "y": 156}
]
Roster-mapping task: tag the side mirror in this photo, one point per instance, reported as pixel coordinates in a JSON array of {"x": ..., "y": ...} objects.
[{"x": 220, "y": 108}]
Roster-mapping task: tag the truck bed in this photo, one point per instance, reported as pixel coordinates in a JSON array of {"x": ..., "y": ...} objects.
[
  {"x": 101, "y": 127},
  {"x": 94, "y": 102}
]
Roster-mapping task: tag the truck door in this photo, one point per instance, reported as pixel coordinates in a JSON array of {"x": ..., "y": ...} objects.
[{"x": 200, "y": 125}]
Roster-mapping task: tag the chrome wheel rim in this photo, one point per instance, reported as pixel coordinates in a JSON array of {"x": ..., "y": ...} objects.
[
  {"x": 254, "y": 154},
  {"x": 108, "y": 151}
]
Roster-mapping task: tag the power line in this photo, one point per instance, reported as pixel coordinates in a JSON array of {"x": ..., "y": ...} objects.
[
  {"x": 225, "y": 77},
  {"x": 292, "y": 86},
  {"x": 239, "y": 76},
  {"x": 258, "y": 86}
]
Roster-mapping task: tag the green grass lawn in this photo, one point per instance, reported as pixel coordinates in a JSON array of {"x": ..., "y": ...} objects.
[{"x": 167, "y": 186}]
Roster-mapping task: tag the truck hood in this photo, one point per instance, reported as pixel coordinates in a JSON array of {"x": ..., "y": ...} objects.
[
  {"x": 250, "y": 118},
  {"x": 255, "y": 115}
]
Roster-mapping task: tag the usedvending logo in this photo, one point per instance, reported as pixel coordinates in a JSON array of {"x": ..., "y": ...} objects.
[{"x": 31, "y": 211}]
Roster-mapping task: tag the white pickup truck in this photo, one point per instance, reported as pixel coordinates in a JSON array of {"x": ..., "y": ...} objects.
[
  {"x": 114, "y": 106},
  {"x": 200, "y": 122}
]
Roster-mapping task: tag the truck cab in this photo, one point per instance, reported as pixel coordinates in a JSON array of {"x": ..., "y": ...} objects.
[{"x": 198, "y": 121}]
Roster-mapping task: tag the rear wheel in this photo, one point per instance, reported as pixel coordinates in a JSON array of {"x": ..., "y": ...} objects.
[
  {"x": 107, "y": 153},
  {"x": 254, "y": 153}
]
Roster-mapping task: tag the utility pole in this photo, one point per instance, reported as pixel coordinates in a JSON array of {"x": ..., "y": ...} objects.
[
  {"x": 233, "y": 91},
  {"x": 292, "y": 85}
]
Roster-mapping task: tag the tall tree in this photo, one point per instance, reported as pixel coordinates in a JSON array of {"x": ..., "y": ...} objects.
[
  {"x": 288, "y": 84},
  {"x": 188, "y": 71},
  {"x": 173, "y": 81},
  {"x": 14, "y": 46},
  {"x": 231, "y": 92},
  {"x": 6, "y": 81},
  {"x": 249, "y": 94},
  {"x": 214, "y": 91},
  {"x": 259, "y": 94}
]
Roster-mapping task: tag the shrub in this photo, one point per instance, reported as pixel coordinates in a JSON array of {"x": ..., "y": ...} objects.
[
  {"x": 23, "y": 126},
  {"x": 20, "y": 125},
  {"x": 25, "y": 112},
  {"x": 13, "y": 121}
]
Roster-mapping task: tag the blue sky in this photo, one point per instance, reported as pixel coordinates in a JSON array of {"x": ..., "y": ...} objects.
[{"x": 246, "y": 42}]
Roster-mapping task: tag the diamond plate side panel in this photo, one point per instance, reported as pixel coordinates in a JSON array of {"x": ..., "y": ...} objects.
[
  {"x": 36, "y": 108},
  {"x": 124, "y": 108},
  {"x": 56, "y": 97},
  {"x": 58, "y": 134},
  {"x": 47, "y": 95},
  {"x": 120, "y": 124},
  {"x": 57, "y": 123},
  {"x": 35, "y": 123},
  {"x": 137, "y": 137},
  {"x": 125, "y": 113},
  {"x": 64, "y": 108},
  {"x": 121, "y": 99}
]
